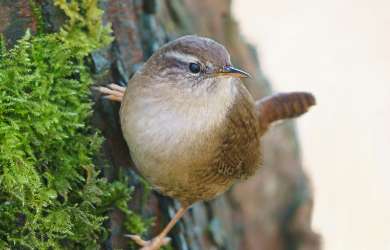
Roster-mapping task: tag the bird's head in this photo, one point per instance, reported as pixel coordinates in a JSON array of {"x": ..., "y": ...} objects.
[{"x": 192, "y": 62}]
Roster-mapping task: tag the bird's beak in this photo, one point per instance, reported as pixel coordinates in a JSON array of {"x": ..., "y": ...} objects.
[{"x": 233, "y": 72}]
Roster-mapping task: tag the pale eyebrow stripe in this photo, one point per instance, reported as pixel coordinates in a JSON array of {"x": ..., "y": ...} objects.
[{"x": 182, "y": 57}]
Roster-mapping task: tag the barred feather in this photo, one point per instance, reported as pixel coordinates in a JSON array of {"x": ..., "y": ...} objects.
[{"x": 283, "y": 106}]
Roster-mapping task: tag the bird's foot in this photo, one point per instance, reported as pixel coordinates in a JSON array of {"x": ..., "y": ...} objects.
[
  {"x": 112, "y": 92},
  {"x": 153, "y": 244}
]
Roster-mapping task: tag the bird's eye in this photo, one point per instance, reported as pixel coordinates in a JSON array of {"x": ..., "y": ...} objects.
[{"x": 194, "y": 68}]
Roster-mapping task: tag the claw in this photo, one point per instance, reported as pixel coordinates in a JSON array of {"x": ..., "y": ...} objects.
[
  {"x": 112, "y": 92},
  {"x": 117, "y": 87},
  {"x": 160, "y": 240},
  {"x": 153, "y": 244}
]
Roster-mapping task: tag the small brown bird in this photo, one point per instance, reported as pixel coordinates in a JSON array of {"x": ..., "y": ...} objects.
[{"x": 192, "y": 127}]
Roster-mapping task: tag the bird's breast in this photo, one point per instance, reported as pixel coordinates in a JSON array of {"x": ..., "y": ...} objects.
[{"x": 171, "y": 138}]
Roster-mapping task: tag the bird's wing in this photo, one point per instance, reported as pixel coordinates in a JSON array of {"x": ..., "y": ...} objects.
[{"x": 240, "y": 154}]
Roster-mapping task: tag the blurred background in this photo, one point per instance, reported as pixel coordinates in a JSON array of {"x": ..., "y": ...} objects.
[{"x": 339, "y": 50}]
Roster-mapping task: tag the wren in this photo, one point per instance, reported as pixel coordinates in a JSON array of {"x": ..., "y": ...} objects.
[{"x": 192, "y": 127}]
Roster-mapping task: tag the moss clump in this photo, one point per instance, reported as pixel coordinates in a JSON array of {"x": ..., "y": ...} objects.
[{"x": 51, "y": 196}]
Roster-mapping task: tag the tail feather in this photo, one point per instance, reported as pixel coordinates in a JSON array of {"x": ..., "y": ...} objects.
[{"x": 283, "y": 106}]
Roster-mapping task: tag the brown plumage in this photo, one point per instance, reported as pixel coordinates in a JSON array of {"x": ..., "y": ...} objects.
[
  {"x": 192, "y": 127},
  {"x": 283, "y": 106}
]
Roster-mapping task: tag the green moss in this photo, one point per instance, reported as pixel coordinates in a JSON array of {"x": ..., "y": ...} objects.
[
  {"x": 37, "y": 16},
  {"x": 133, "y": 222},
  {"x": 51, "y": 195},
  {"x": 2, "y": 46}
]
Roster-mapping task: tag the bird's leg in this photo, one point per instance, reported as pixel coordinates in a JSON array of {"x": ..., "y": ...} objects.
[
  {"x": 112, "y": 92},
  {"x": 161, "y": 239}
]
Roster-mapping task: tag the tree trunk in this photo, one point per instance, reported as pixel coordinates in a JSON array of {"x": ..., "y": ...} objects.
[{"x": 272, "y": 210}]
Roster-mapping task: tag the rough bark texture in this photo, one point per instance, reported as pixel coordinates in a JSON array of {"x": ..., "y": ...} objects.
[{"x": 272, "y": 210}]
